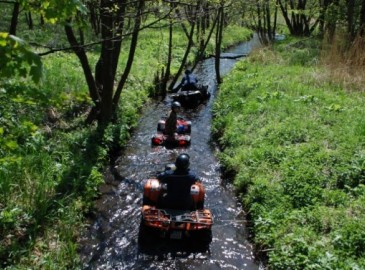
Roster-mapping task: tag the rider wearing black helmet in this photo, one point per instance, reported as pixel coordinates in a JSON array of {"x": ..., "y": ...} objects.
[
  {"x": 178, "y": 183},
  {"x": 182, "y": 162},
  {"x": 171, "y": 120}
]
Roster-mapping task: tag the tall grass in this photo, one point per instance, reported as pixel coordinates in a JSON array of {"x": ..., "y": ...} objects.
[
  {"x": 296, "y": 147},
  {"x": 345, "y": 63}
]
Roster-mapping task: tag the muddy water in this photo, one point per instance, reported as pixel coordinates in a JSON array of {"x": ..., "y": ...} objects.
[{"x": 111, "y": 240}]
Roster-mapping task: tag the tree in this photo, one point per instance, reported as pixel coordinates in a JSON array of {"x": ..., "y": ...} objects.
[
  {"x": 113, "y": 21},
  {"x": 113, "y": 16},
  {"x": 14, "y": 19},
  {"x": 199, "y": 16}
]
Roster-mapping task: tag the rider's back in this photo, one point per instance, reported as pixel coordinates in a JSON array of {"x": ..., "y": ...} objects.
[{"x": 178, "y": 185}]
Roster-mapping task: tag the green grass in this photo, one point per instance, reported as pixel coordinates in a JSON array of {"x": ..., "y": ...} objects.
[{"x": 296, "y": 147}]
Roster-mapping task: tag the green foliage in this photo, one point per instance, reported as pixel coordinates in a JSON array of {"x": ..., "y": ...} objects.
[
  {"x": 17, "y": 58},
  {"x": 303, "y": 52},
  {"x": 296, "y": 147},
  {"x": 54, "y": 10}
]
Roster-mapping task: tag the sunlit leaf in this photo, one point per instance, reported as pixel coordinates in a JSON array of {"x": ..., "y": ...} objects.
[
  {"x": 17, "y": 58},
  {"x": 11, "y": 145}
]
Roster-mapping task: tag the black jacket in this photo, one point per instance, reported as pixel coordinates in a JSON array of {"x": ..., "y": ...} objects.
[{"x": 178, "y": 184}]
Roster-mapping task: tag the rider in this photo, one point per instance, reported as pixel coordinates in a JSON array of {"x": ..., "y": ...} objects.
[
  {"x": 178, "y": 183},
  {"x": 171, "y": 120},
  {"x": 188, "y": 82}
]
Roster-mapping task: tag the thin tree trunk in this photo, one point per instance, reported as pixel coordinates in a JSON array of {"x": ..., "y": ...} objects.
[
  {"x": 268, "y": 20},
  {"x": 206, "y": 42},
  {"x": 14, "y": 19},
  {"x": 107, "y": 62},
  {"x": 184, "y": 60},
  {"x": 29, "y": 19},
  {"x": 275, "y": 19},
  {"x": 93, "y": 90},
  {"x": 132, "y": 50},
  {"x": 182, "y": 24},
  {"x": 169, "y": 60},
  {"x": 94, "y": 18},
  {"x": 81, "y": 54},
  {"x": 218, "y": 43},
  {"x": 82, "y": 37},
  {"x": 286, "y": 17}
]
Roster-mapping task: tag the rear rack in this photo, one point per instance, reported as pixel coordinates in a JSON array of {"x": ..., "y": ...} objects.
[{"x": 166, "y": 218}]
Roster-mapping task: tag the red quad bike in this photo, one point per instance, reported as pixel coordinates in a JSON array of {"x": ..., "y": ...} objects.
[
  {"x": 192, "y": 97},
  {"x": 183, "y": 126},
  {"x": 181, "y": 138},
  {"x": 158, "y": 219}
]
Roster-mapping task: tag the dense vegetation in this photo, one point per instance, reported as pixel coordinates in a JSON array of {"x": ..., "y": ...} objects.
[
  {"x": 51, "y": 163},
  {"x": 293, "y": 137}
]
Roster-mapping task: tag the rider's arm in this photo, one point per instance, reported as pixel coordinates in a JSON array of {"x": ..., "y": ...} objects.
[
  {"x": 194, "y": 176},
  {"x": 174, "y": 90}
]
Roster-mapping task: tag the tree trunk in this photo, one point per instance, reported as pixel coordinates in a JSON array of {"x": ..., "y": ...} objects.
[
  {"x": 167, "y": 74},
  {"x": 182, "y": 24},
  {"x": 81, "y": 54},
  {"x": 218, "y": 43},
  {"x": 94, "y": 18},
  {"x": 284, "y": 11},
  {"x": 107, "y": 62},
  {"x": 185, "y": 57},
  {"x": 101, "y": 87},
  {"x": 14, "y": 19},
  {"x": 275, "y": 19},
  {"x": 268, "y": 20},
  {"x": 206, "y": 43},
  {"x": 29, "y": 19},
  {"x": 132, "y": 50}
]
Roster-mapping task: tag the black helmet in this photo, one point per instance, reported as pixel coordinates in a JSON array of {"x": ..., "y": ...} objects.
[
  {"x": 187, "y": 72},
  {"x": 176, "y": 104},
  {"x": 182, "y": 161}
]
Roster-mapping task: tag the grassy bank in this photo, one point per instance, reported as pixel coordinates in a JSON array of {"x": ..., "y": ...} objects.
[
  {"x": 295, "y": 142},
  {"x": 51, "y": 163}
]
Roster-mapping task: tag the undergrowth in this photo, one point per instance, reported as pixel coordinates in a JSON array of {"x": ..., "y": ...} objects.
[{"x": 296, "y": 147}]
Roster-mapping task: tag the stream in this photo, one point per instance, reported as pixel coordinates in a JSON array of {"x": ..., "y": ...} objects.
[{"x": 111, "y": 240}]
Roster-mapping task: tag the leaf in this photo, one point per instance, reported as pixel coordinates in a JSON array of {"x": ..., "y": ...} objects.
[
  {"x": 18, "y": 59},
  {"x": 11, "y": 145},
  {"x": 36, "y": 73},
  {"x": 4, "y": 35}
]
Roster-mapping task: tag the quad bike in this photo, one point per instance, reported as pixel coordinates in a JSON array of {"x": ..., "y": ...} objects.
[
  {"x": 182, "y": 127},
  {"x": 181, "y": 137},
  {"x": 192, "y": 97},
  {"x": 161, "y": 220},
  {"x": 180, "y": 140}
]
